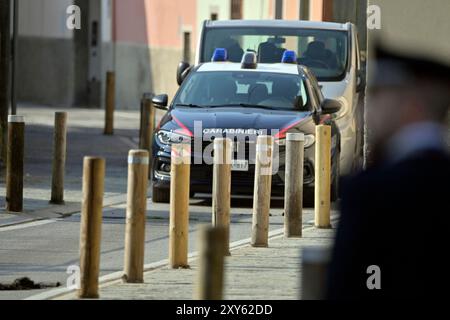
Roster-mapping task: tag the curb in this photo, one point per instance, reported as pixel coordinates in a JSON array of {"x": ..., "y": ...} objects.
[{"x": 115, "y": 277}]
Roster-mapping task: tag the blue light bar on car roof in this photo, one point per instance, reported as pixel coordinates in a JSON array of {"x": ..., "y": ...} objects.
[
  {"x": 289, "y": 56},
  {"x": 220, "y": 54}
]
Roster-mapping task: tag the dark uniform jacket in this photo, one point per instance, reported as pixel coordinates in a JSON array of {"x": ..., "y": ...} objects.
[{"x": 395, "y": 217}]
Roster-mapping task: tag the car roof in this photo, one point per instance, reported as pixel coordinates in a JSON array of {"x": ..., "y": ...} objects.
[
  {"x": 286, "y": 68},
  {"x": 278, "y": 24}
]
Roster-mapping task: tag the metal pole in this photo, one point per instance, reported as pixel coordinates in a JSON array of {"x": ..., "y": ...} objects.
[
  {"x": 5, "y": 56},
  {"x": 59, "y": 158},
  {"x": 14, "y": 58},
  {"x": 304, "y": 10}
]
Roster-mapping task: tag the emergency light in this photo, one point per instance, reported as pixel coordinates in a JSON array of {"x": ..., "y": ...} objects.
[
  {"x": 220, "y": 54},
  {"x": 289, "y": 56},
  {"x": 249, "y": 60}
]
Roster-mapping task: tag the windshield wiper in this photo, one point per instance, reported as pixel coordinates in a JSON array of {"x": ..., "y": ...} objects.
[
  {"x": 190, "y": 105},
  {"x": 246, "y": 105}
]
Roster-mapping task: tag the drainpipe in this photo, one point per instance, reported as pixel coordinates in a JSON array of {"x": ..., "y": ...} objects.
[{"x": 14, "y": 58}]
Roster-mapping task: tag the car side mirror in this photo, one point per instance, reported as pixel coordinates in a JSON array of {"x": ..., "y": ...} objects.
[
  {"x": 182, "y": 71},
  {"x": 160, "y": 101},
  {"x": 299, "y": 102},
  {"x": 330, "y": 106},
  {"x": 360, "y": 81}
]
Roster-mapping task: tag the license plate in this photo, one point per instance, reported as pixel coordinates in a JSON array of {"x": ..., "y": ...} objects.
[{"x": 239, "y": 165}]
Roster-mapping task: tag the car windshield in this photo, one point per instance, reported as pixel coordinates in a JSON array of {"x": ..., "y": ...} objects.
[
  {"x": 243, "y": 88},
  {"x": 325, "y": 52}
]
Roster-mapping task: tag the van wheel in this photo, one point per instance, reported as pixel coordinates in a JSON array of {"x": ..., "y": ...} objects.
[{"x": 160, "y": 195}]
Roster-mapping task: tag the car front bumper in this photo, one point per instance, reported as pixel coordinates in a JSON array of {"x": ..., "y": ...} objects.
[{"x": 242, "y": 182}]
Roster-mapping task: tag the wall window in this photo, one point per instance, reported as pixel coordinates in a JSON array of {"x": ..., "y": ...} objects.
[
  {"x": 304, "y": 10},
  {"x": 278, "y": 9},
  {"x": 187, "y": 46}
]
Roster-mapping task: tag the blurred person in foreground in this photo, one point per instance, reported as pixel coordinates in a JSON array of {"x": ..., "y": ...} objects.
[{"x": 395, "y": 215}]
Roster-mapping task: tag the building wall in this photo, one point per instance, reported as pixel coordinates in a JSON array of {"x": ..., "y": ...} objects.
[
  {"x": 291, "y": 10},
  {"x": 354, "y": 11},
  {"x": 45, "y": 56},
  {"x": 257, "y": 9},
  {"x": 316, "y": 10},
  {"x": 415, "y": 26},
  {"x": 44, "y": 18},
  {"x": 148, "y": 40},
  {"x": 221, "y": 7}
]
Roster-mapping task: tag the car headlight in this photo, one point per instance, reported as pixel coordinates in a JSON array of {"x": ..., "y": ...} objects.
[
  {"x": 169, "y": 137},
  {"x": 309, "y": 141}
]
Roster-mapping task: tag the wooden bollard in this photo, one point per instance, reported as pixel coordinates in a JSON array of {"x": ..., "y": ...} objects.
[
  {"x": 147, "y": 125},
  {"x": 293, "y": 191},
  {"x": 14, "y": 164},
  {"x": 322, "y": 177},
  {"x": 136, "y": 216},
  {"x": 91, "y": 222},
  {"x": 179, "y": 205},
  {"x": 315, "y": 261},
  {"x": 221, "y": 196},
  {"x": 211, "y": 263},
  {"x": 59, "y": 158},
  {"x": 110, "y": 102},
  {"x": 262, "y": 191}
]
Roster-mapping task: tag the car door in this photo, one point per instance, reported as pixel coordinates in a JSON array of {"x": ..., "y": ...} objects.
[{"x": 326, "y": 119}]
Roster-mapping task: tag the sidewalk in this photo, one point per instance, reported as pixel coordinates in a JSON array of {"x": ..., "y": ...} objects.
[
  {"x": 251, "y": 274},
  {"x": 84, "y": 137}
]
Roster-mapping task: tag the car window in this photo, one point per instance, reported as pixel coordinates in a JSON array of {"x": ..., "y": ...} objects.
[
  {"x": 316, "y": 87},
  {"x": 325, "y": 52},
  {"x": 315, "y": 99},
  {"x": 215, "y": 88}
]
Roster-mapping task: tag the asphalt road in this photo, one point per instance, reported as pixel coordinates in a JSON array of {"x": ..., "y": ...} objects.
[{"x": 43, "y": 250}]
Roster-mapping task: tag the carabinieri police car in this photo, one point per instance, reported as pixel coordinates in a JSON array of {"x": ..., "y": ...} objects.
[{"x": 241, "y": 101}]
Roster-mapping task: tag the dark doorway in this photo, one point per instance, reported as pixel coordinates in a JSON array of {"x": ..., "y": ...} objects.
[
  {"x": 88, "y": 54},
  {"x": 278, "y": 9},
  {"x": 187, "y": 46}
]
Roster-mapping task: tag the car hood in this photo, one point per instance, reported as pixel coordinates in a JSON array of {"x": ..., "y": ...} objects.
[{"x": 231, "y": 118}]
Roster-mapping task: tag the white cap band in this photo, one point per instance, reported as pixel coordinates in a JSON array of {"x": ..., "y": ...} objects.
[
  {"x": 295, "y": 137},
  {"x": 138, "y": 160},
  {"x": 14, "y": 118}
]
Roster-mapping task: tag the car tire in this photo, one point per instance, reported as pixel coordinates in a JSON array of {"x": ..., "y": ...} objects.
[
  {"x": 334, "y": 194},
  {"x": 160, "y": 195}
]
